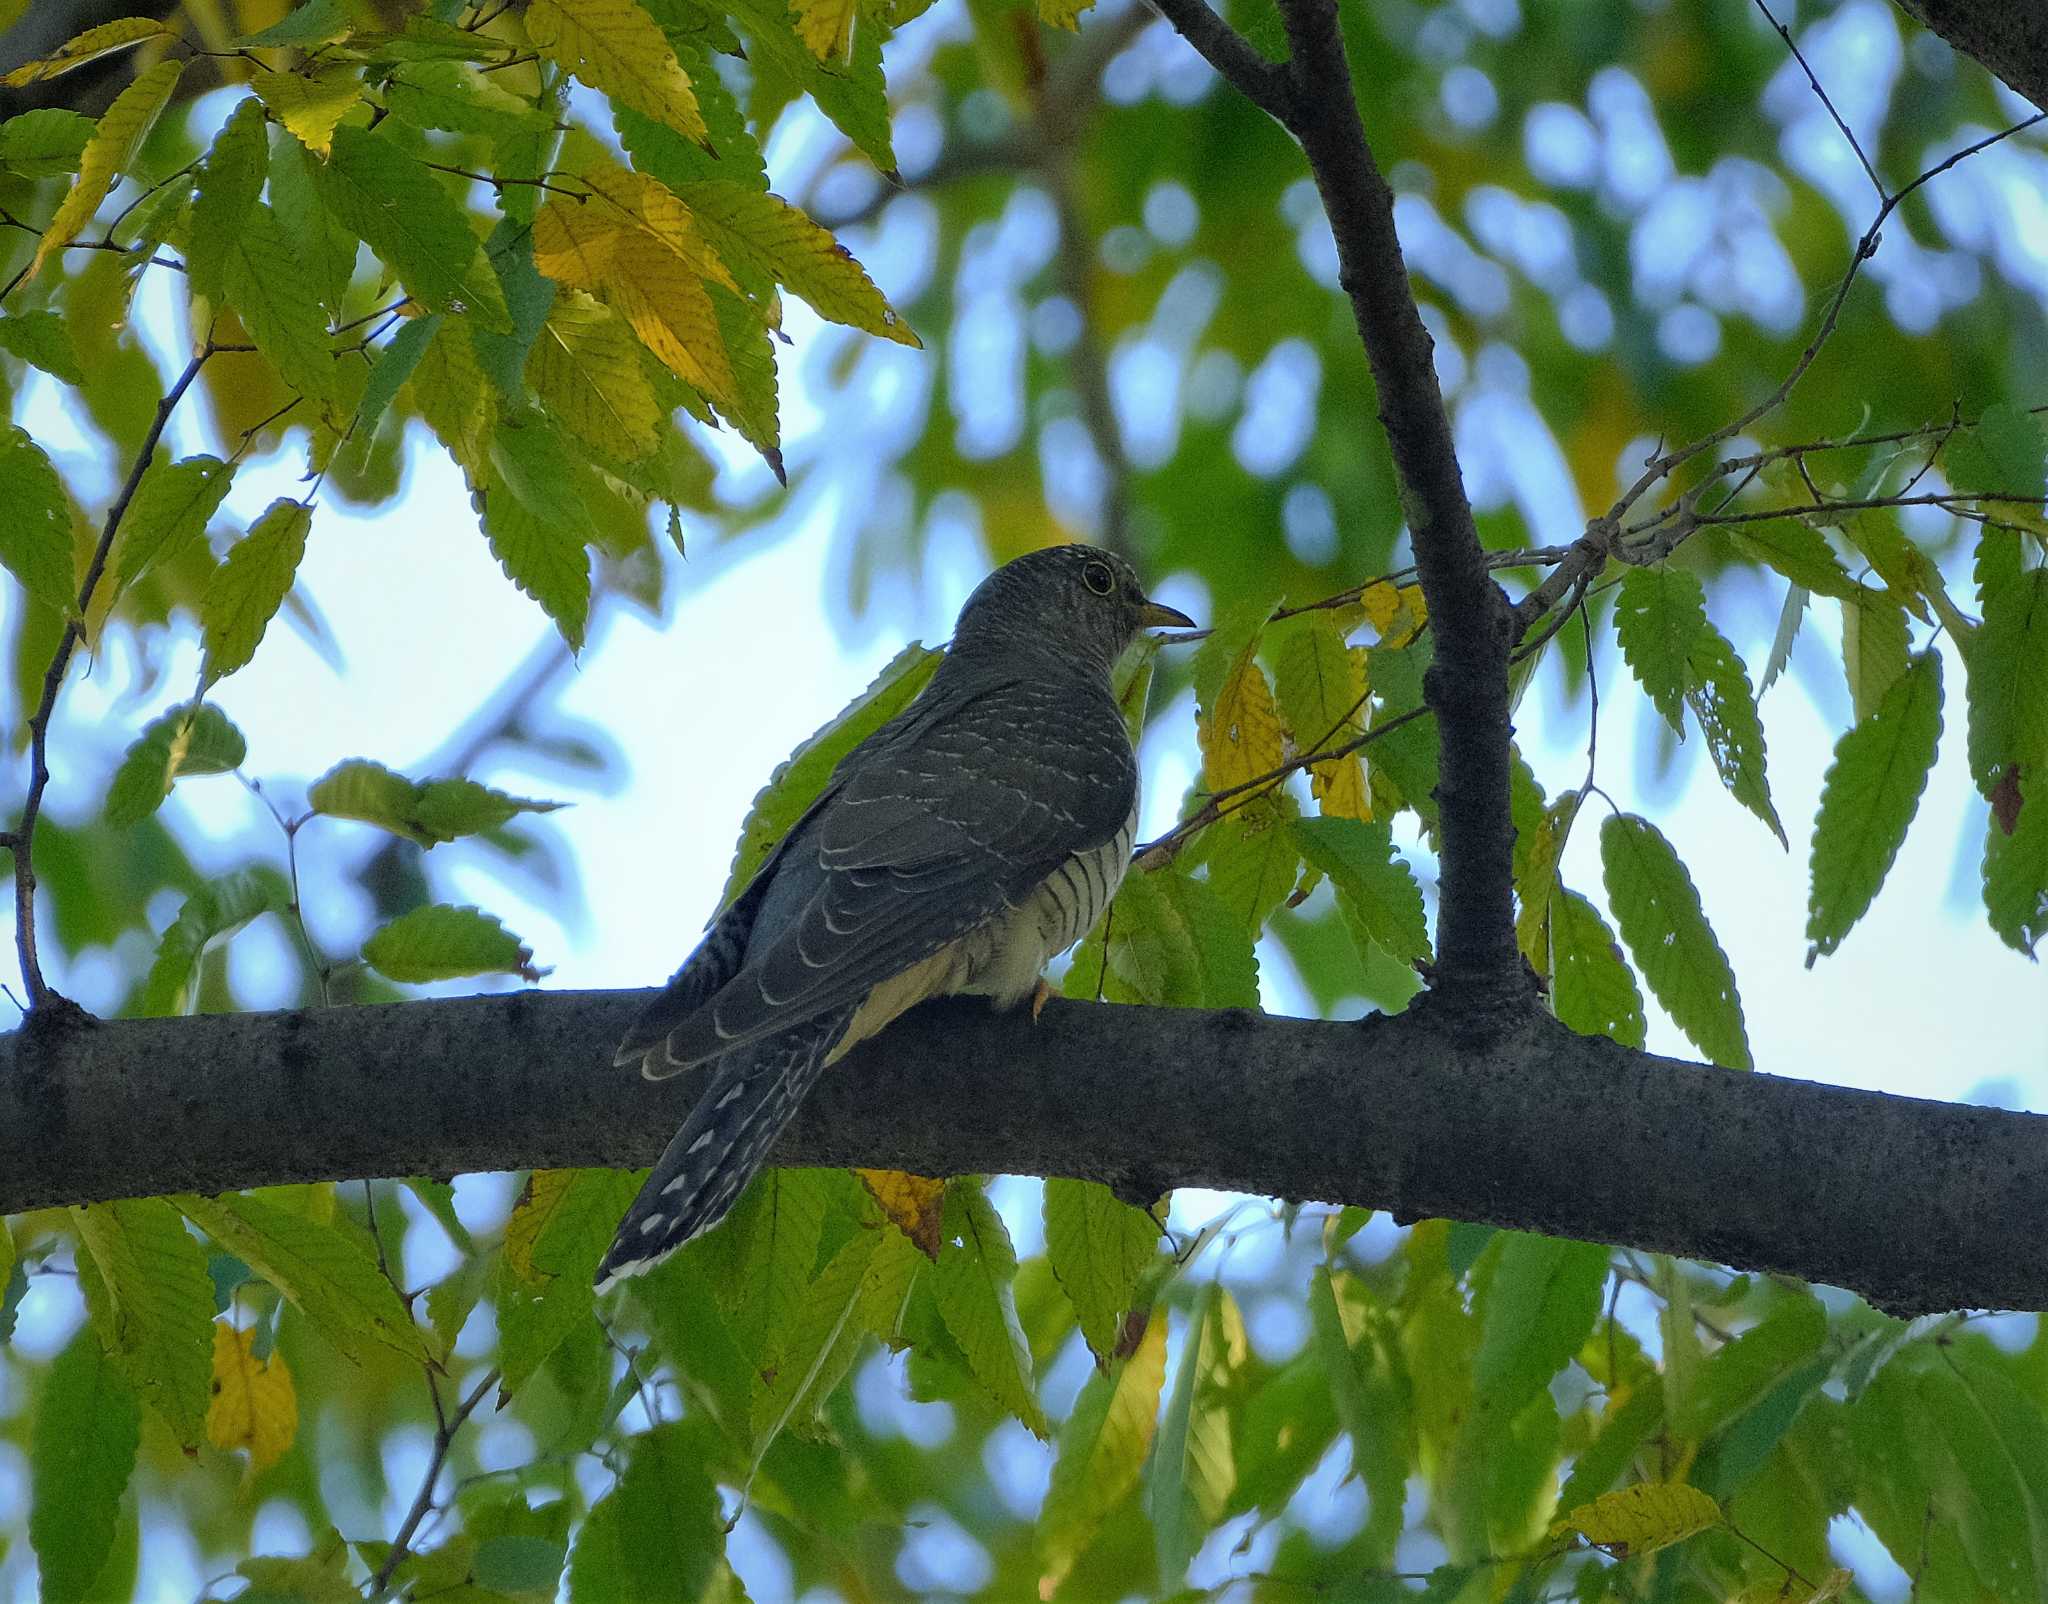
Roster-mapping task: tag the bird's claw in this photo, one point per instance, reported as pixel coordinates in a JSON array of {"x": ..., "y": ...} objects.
[{"x": 1039, "y": 994}]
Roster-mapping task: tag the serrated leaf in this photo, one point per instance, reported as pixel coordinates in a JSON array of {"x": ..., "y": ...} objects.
[
  {"x": 771, "y": 1241},
  {"x": 402, "y": 211},
  {"x": 254, "y": 1404},
  {"x": 1170, "y": 941},
  {"x": 536, "y": 524},
  {"x": 1738, "y": 1374},
  {"x": 35, "y": 521},
  {"x": 618, "y": 49},
  {"x": 119, "y": 135},
  {"x": 441, "y": 942},
  {"x": 43, "y": 340},
  {"x": 1537, "y": 1307},
  {"x": 317, "y": 22},
  {"x": 1238, "y": 725},
  {"x": 1661, "y": 919},
  {"x": 81, "y": 1454},
  {"x": 1659, "y": 616},
  {"x": 972, "y": 1283},
  {"x": 396, "y": 362},
  {"x": 1102, "y": 1449},
  {"x": 2002, "y": 454},
  {"x": 1099, "y": 1247},
  {"x": 1632, "y": 1521},
  {"x": 1592, "y": 988},
  {"x": 121, "y": 34},
  {"x": 151, "y": 1301},
  {"x": 322, "y": 1269},
  {"x": 2015, "y": 868},
  {"x": 826, "y": 1326},
  {"x": 2008, "y": 681},
  {"x": 453, "y": 95},
  {"x": 427, "y": 814},
  {"x": 249, "y": 587},
  {"x": 762, "y": 233},
  {"x": 1064, "y": 13},
  {"x": 556, "y": 1235},
  {"x": 310, "y": 102},
  {"x": 1717, "y": 690},
  {"x": 186, "y": 740},
  {"x": 1191, "y": 1470},
  {"x": 1869, "y": 797},
  {"x": 1322, "y": 692},
  {"x": 1790, "y": 616},
  {"x": 1252, "y": 859},
  {"x": 657, "y": 1534},
  {"x": 1797, "y": 550},
  {"x": 826, "y": 26},
  {"x": 46, "y": 143},
  {"x": 852, "y": 92},
  {"x": 798, "y": 779},
  {"x": 228, "y": 186},
  {"x": 327, "y": 247},
  {"x": 585, "y": 368},
  {"x": 1874, "y": 645},
  {"x": 1376, "y": 892},
  {"x": 915, "y": 1204},
  {"x": 266, "y": 282},
  {"x": 213, "y": 913}
]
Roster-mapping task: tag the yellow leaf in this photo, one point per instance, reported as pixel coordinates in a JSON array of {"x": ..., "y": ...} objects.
[
  {"x": 107, "y": 154},
  {"x": 254, "y": 1404},
  {"x": 826, "y": 26},
  {"x": 585, "y": 367},
  {"x": 88, "y": 46},
  {"x": 618, "y": 49},
  {"x": 1063, "y": 13},
  {"x": 538, "y": 1202},
  {"x": 1322, "y": 686},
  {"x": 1396, "y": 612},
  {"x": 1643, "y": 1518},
  {"x": 1240, "y": 736},
  {"x": 915, "y": 1203},
  {"x": 311, "y": 104}
]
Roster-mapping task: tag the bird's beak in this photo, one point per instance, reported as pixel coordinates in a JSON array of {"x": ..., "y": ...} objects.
[{"x": 1157, "y": 615}]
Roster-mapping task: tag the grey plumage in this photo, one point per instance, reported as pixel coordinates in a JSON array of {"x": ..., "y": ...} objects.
[{"x": 956, "y": 849}]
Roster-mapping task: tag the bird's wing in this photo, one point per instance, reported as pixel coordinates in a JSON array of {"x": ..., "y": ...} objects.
[{"x": 926, "y": 837}]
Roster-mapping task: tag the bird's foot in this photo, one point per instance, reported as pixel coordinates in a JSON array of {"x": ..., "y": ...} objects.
[{"x": 1039, "y": 994}]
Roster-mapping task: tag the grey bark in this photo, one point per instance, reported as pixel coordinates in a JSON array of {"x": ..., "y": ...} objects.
[{"x": 1919, "y": 1206}]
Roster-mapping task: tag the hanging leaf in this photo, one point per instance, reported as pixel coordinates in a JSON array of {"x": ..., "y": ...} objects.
[
  {"x": 255, "y": 1405},
  {"x": 1869, "y": 797},
  {"x": 310, "y": 102},
  {"x": 427, "y": 814},
  {"x": 972, "y": 1282},
  {"x": 1376, "y": 892},
  {"x": 916, "y": 1204},
  {"x": 2008, "y": 681},
  {"x": 249, "y": 587},
  {"x": 1717, "y": 690},
  {"x": 1099, "y": 1247},
  {"x": 1660, "y": 613},
  {"x": 1659, "y": 912},
  {"x": 1592, "y": 988},
  {"x": 211, "y": 914},
  {"x": 585, "y": 368},
  {"x": 616, "y": 47},
  {"x": 42, "y": 340},
  {"x": 151, "y": 1301},
  {"x": 1874, "y": 645},
  {"x": 81, "y": 1454},
  {"x": 1798, "y": 551},
  {"x": 1638, "y": 1520},
  {"x": 35, "y": 521},
  {"x": 2015, "y": 868},
  {"x": 557, "y": 1233},
  {"x": 1102, "y": 1449},
  {"x": 121, "y": 34},
  {"x": 119, "y": 135},
  {"x": 441, "y": 942}
]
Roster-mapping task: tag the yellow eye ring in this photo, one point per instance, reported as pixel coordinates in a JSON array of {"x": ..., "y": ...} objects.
[{"x": 1098, "y": 578}]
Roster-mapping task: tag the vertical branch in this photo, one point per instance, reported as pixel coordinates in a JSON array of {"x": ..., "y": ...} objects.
[{"x": 21, "y": 840}]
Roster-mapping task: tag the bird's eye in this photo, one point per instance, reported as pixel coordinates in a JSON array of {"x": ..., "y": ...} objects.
[{"x": 1098, "y": 578}]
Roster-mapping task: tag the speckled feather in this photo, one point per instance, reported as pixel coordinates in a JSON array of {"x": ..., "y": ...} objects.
[{"x": 956, "y": 849}]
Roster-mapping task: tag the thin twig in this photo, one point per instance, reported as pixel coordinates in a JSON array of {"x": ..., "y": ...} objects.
[
  {"x": 1841, "y": 126},
  {"x": 423, "y": 1501},
  {"x": 39, "y": 993}
]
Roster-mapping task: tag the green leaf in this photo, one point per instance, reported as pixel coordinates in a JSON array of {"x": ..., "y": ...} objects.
[
  {"x": 454, "y": 96},
  {"x": 317, "y": 22},
  {"x": 657, "y": 1534},
  {"x": 1869, "y": 797},
  {"x": 229, "y": 184},
  {"x": 1660, "y": 614},
  {"x": 972, "y": 1283},
  {"x": 1628, "y": 1423},
  {"x": 2008, "y": 681},
  {"x": 851, "y": 93},
  {"x": 114, "y": 143},
  {"x": 558, "y": 1231},
  {"x": 537, "y": 525},
  {"x": 1592, "y": 988},
  {"x": 1874, "y": 646},
  {"x": 798, "y": 779},
  {"x": 1333, "y": 1347},
  {"x": 825, "y": 1334},
  {"x": 1534, "y": 1313},
  {"x": 410, "y": 220},
  {"x": 213, "y": 913},
  {"x": 327, "y": 247},
  {"x": 1738, "y": 1374},
  {"x": 2003, "y": 454},
  {"x": 1191, "y": 1471},
  {"x": 1252, "y": 860},
  {"x": 46, "y": 143},
  {"x": 2015, "y": 868},
  {"x": 151, "y": 1301},
  {"x": 172, "y": 505},
  {"x": 249, "y": 587},
  {"x": 1790, "y": 616},
  {"x": 1102, "y": 1449},
  {"x": 81, "y": 1454},
  {"x": 1376, "y": 892},
  {"x": 440, "y": 942},
  {"x": 665, "y": 154},
  {"x": 323, "y": 1270},
  {"x": 279, "y": 304},
  {"x": 1717, "y": 690},
  {"x": 771, "y": 1243},
  {"x": 427, "y": 814},
  {"x": 517, "y": 1563},
  {"x": 396, "y": 361},
  {"x": 35, "y": 521},
  {"x": 1658, "y": 909},
  {"x": 1169, "y": 941},
  {"x": 42, "y": 340},
  {"x": 1099, "y": 1247},
  {"x": 1797, "y": 550},
  {"x": 186, "y": 740}
]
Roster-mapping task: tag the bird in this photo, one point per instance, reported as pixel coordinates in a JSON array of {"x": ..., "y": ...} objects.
[{"x": 956, "y": 850}]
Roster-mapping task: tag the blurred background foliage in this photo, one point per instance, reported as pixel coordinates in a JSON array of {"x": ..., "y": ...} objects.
[{"x": 1621, "y": 219}]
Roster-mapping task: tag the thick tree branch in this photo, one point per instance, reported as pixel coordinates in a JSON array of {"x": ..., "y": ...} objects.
[
  {"x": 1919, "y": 1206},
  {"x": 2010, "y": 37}
]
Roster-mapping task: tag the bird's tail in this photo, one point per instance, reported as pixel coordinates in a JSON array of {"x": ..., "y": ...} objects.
[{"x": 721, "y": 1144}]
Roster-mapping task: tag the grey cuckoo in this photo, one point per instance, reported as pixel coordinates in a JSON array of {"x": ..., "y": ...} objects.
[{"x": 967, "y": 841}]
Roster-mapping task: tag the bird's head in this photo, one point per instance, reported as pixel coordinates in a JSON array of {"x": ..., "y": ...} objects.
[{"x": 1080, "y": 601}]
